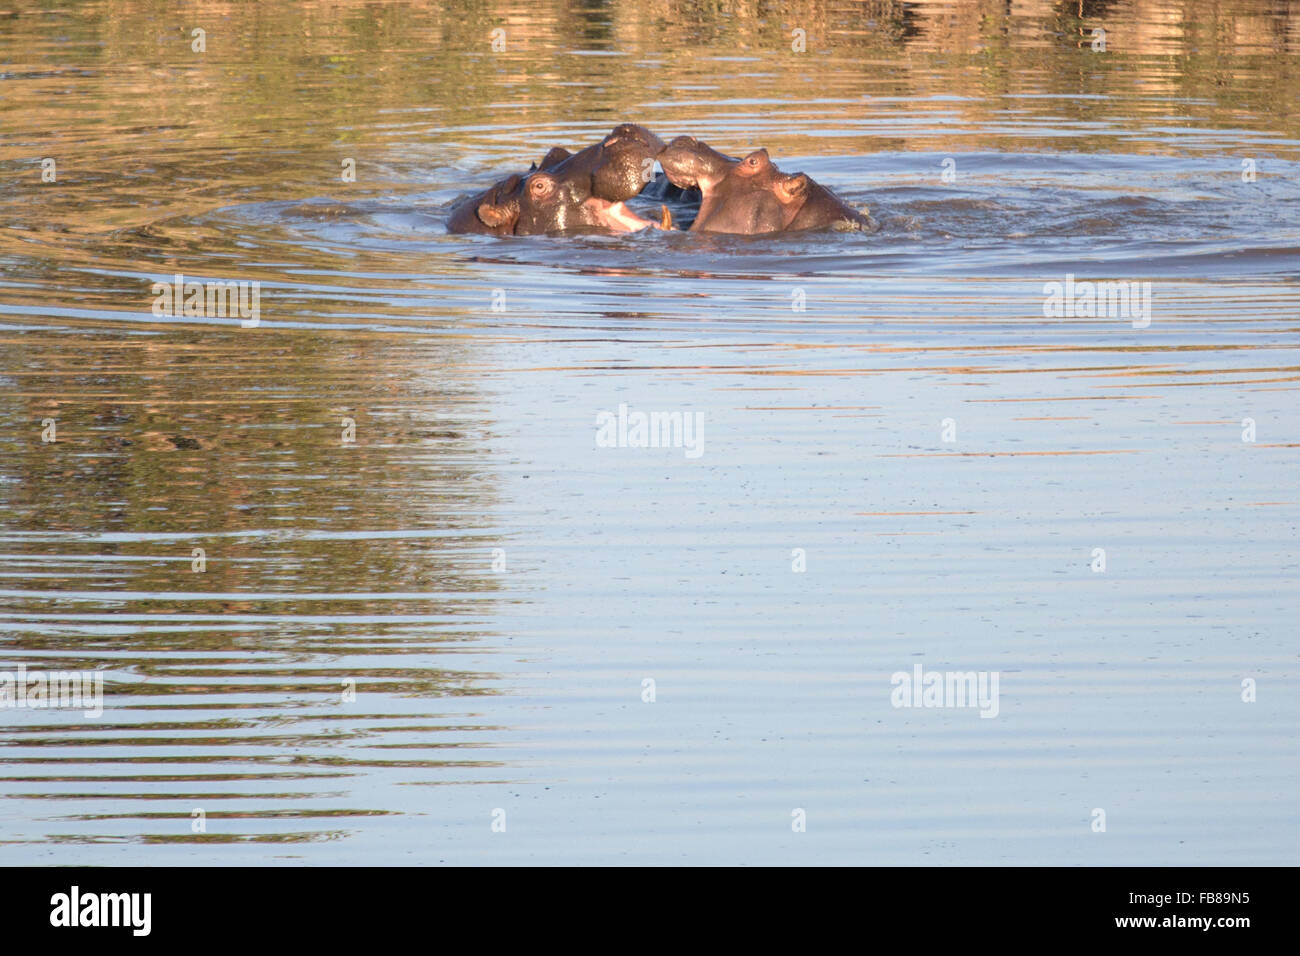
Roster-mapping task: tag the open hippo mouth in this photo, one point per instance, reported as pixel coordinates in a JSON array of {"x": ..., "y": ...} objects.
[{"x": 617, "y": 217}]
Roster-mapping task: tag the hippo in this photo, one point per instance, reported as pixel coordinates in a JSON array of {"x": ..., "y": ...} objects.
[
  {"x": 550, "y": 203},
  {"x": 569, "y": 190},
  {"x": 751, "y": 196}
]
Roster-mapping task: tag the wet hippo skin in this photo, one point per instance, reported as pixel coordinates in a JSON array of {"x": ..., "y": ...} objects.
[
  {"x": 615, "y": 169},
  {"x": 465, "y": 217},
  {"x": 816, "y": 206},
  {"x": 745, "y": 200},
  {"x": 554, "y": 156}
]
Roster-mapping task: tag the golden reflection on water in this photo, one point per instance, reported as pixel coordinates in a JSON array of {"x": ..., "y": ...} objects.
[{"x": 327, "y": 561}]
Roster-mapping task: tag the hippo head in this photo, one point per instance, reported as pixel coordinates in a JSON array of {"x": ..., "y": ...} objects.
[
  {"x": 746, "y": 200},
  {"x": 551, "y": 203},
  {"x": 622, "y": 164},
  {"x": 690, "y": 164}
]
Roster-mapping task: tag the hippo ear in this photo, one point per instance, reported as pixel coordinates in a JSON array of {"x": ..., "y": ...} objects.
[
  {"x": 795, "y": 186},
  {"x": 554, "y": 157},
  {"x": 495, "y": 215}
]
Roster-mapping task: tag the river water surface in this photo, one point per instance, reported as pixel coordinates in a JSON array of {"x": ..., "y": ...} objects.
[{"x": 363, "y": 585}]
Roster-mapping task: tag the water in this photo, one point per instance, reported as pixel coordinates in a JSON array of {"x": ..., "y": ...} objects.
[{"x": 498, "y": 589}]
